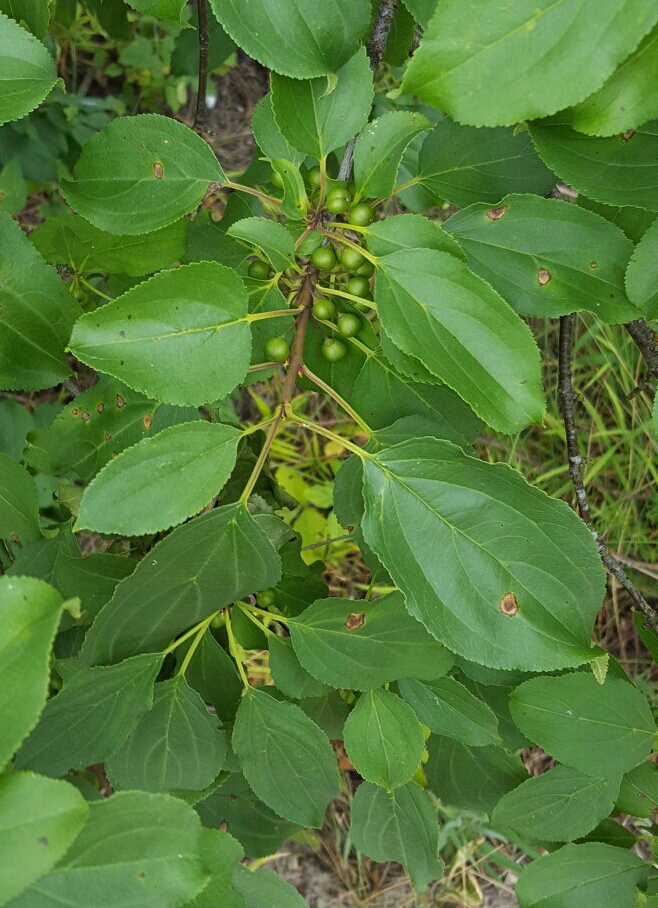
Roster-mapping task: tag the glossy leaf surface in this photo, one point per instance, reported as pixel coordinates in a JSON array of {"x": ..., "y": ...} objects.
[
  {"x": 191, "y": 323},
  {"x": 524, "y": 606},
  {"x": 160, "y": 481},
  {"x": 285, "y": 757},
  {"x": 183, "y": 580}
]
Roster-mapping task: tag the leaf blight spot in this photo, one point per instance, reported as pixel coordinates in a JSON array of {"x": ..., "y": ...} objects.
[
  {"x": 355, "y": 620},
  {"x": 508, "y": 605}
]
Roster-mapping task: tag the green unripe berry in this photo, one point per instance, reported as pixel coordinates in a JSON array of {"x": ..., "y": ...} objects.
[
  {"x": 314, "y": 177},
  {"x": 359, "y": 286},
  {"x": 259, "y": 270},
  {"x": 266, "y": 598},
  {"x": 324, "y": 310},
  {"x": 323, "y": 258},
  {"x": 349, "y": 324},
  {"x": 333, "y": 349},
  {"x": 338, "y": 201},
  {"x": 276, "y": 179},
  {"x": 277, "y": 350},
  {"x": 351, "y": 258},
  {"x": 366, "y": 270},
  {"x": 361, "y": 215}
]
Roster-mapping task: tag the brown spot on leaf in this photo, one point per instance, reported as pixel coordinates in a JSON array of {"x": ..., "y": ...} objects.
[
  {"x": 85, "y": 416},
  {"x": 107, "y": 436},
  {"x": 508, "y": 605},
  {"x": 15, "y": 537},
  {"x": 74, "y": 411},
  {"x": 543, "y": 277},
  {"x": 628, "y": 135},
  {"x": 122, "y": 333},
  {"x": 593, "y": 265},
  {"x": 223, "y": 826},
  {"x": 355, "y": 621},
  {"x": 43, "y": 840},
  {"x": 158, "y": 170},
  {"x": 100, "y": 408},
  {"x": 495, "y": 214},
  {"x": 142, "y": 875},
  {"x": 147, "y": 421},
  {"x": 120, "y": 401}
]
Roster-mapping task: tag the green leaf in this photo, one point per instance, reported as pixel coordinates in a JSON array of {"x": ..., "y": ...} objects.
[
  {"x": 362, "y": 644},
  {"x": 379, "y": 149},
  {"x": 270, "y": 237},
  {"x": 433, "y": 307},
  {"x": 181, "y": 337},
  {"x": 421, "y": 10},
  {"x": 463, "y": 164},
  {"x": 58, "y": 561},
  {"x": 329, "y": 712},
  {"x": 520, "y": 61},
  {"x": 620, "y": 170},
  {"x": 633, "y": 221},
  {"x": 29, "y": 614},
  {"x": 28, "y": 71},
  {"x": 141, "y": 173},
  {"x": 642, "y": 273},
  {"x": 547, "y": 257},
  {"x": 627, "y": 99},
  {"x": 638, "y": 794},
  {"x": 588, "y": 875},
  {"x": 285, "y": 757},
  {"x": 316, "y": 119},
  {"x": 601, "y": 729},
  {"x": 264, "y": 889},
  {"x": 19, "y": 508},
  {"x": 91, "y": 717},
  {"x": 37, "y": 315},
  {"x": 222, "y": 854},
  {"x": 295, "y": 201},
  {"x": 298, "y": 38},
  {"x": 40, "y": 819},
  {"x": 269, "y": 137},
  {"x": 160, "y": 481},
  {"x": 70, "y": 240},
  {"x": 410, "y": 231},
  {"x": 507, "y": 600},
  {"x": 212, "y": 673},
  {"x": 185, "y": 577},
  {"x": 287, "y": 673},
  {"x": 160, "y": 9},
  {"x": 34, "y": 14},
  {"x": 236, "y": 807},
  {"x": 448, "y": 708},
  {"x": 153, "y": 862},
  {"x": 177, "y": 744},
  {"x": 96, "y": 426},
  {"x": 557, "y": 806},
  {"x": 399, "y": 825},
  {"x": 473, "y": 778},
  {"x": 13, "y": 188},
  {"x": 382, "y": 395},
  {"x": 384, "y": 739}
]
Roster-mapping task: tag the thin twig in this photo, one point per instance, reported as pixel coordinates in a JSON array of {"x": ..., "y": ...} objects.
[
  {"x": 202, "y": 85},
  {"x": 647, "y": 343},
  {"x": 567, "y": 400},
  {"x": 380, "y": 31}
]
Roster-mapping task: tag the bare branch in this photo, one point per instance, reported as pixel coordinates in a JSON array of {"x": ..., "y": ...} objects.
[
  {"x": 202, "y": 85},
  {"x": 567, "y": 400},
  {"x": 647, "y": 343}
]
